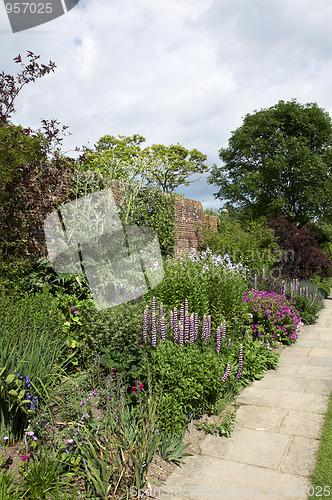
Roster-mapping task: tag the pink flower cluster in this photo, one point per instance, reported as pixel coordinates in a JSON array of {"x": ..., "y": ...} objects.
[{"x": 274, "y": 317}]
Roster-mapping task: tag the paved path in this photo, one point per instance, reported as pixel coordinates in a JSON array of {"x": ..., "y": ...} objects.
[{"x": 271, "y": 452}]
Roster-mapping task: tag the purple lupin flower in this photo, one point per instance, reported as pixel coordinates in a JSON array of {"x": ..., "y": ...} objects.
[
  {"x": 196, "y": 325},
  {"x": 226, "y": 374},
  {"x": 223, "y": 331},
  {"x": 255, "y": 282},
  {"x": 171, "y": 321},
  {"x": 181, "y": 340},
  {"x": 209, "y": 327},
  {"x": 229, "y": 343},
  {"x": 162, "y": 329},
  {"x": 161, "y": 311},
  {"x": 192, "y": 329},
  {"x": 182, "y": 314},
  {"x": 145, "y": 324},
  {"x": 175, "y": 325},
  {"x": 186, "y": 306},
  {"x": 186, "y": 327},
  {"x": 218, "y": 339},
  {"x": 153, "y": 306},
  {"x": 240, "y": 368},
  {"x": 154, "y": 330},
  {"x": 204, "y": 328}
]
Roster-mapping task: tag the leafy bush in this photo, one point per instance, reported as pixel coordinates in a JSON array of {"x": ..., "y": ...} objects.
[
  {"x": 303, "y": 256},
  {"x": 157, "y": 210},
  {"x": 14, "y": 277},
  {"x": 274, "y": 318},
  {"x": 212, "y": 284},
  {"x": 252, "y": 244},
  {"x": 113, "y": 328}
]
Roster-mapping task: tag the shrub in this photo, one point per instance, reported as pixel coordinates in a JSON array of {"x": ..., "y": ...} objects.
[
  {"x": 113, "y": 328},
  {"x": 252, "y": 244},
  {"x": 302, "y": 257},
  {"x": 212, "y": 284},
  {"x": 274, "y": 318}
]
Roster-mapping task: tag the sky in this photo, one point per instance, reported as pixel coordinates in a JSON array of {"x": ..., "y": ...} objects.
[{"x": 175, "y": 71}]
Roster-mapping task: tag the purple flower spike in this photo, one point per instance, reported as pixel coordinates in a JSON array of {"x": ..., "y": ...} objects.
[
  {"x": 145, "y": 324},
  {"x": 182, "y": 314},
  {"x": 226, "y": 374},
  {"x": 186, "y": 327},
  {"x": 196, "y": 324},
  {"x": 218, "y": 339},
  {"x": 240, "y": 368},
  {"x": 154, "y": 330},
  {"x": 162, "y": 329},
  {"x": 223, "y": 331},
  {"x": 181, "y": 340}
]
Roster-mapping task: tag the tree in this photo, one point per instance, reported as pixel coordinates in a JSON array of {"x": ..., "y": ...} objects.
[
  {"x": 159, "y": 166},
  {"x": 279, "y": 162},
  {"x": 11, "y": 86},
  {"x": 29, "y": 161}
]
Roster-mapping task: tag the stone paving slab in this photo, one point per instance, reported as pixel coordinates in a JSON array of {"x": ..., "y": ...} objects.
[
  {"x": 260, "y": 396},
  {"x": 319, "y": 372},
  {"x": 320, "y": 361},
  {"x": 312, "y": 403},
  {"x": 289, "y": 370},
  {"x": 317, "y": 386},
  {"x": 262, "y": 448},
  {"x": 260, "y": 417},
  {"x": 310, "y": 343},
  {"x": 283, "y": 382},
  {"x": 293, "y": 360},
  {"x": 297, "y": 423},
  {"x": 321, "y": 351},
  {"x": 213, "y": 479},
  {"x": 301, "y": 456}
]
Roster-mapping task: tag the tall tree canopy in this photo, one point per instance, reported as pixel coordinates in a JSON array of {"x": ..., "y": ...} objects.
[
  {"x": 163, "y": 167},
  {"x": 279, "y": 162}
]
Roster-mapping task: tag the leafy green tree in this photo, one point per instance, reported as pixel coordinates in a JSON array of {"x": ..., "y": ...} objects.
[
  {"x": 279, "y": 161},
  {"x": 172, "y": 165},
  {"x": 159, "y": 166}
]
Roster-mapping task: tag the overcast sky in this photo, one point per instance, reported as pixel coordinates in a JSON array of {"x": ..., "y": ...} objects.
[{"x": 175, "y": 71}]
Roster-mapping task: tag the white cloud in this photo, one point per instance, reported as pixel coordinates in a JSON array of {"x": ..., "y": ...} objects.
[{"x": 182, "y": 71}]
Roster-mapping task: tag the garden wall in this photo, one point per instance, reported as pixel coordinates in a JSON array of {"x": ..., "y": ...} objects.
[{"x": 189, "y": 216}]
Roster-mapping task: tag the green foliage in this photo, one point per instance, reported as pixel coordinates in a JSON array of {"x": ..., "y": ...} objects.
[
  {"x": 8, "y": 486},
  {"x": 172, "y": 449},
  {"x": 257, "y": 360},
  {"x": 308, "y": 308},
  {"x": 14, "y": 407},
  {"x": 14, "y": 277},
  {"x": 118, "y": 449},
  {"x": 223, "y": 428},
  {"x": 154, "y": 209},
  {"x": 212, "y": 284},
  {"x": 189, "y": 378},
  {"x": 45, "y": 476},
  {"x": 279, "y": 162},
  {"x": 114, "y": 328},
  {"x": 159, "y": 166},
  {"x": 30, "y": 347},
  {"x": 251, "y": 243}
]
